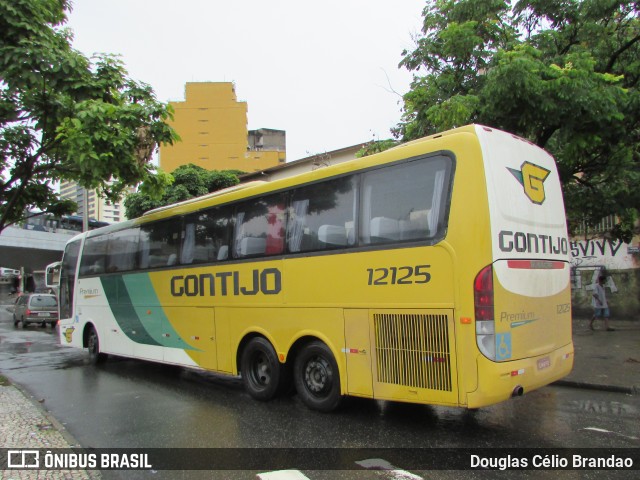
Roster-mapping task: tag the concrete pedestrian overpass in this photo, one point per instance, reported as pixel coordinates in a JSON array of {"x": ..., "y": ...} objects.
[{"x": 31, "y": 249}]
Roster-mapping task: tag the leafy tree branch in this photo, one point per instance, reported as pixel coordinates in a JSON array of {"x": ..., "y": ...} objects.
[
  {"x": 64, "y": 116},
  {"x": 562, "y": 74}
]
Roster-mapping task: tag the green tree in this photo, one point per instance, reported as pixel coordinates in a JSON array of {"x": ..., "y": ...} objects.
[
  {"x": 561, "y": 73},
  {"x": 65, "y": 117},
  {"x": 189, "y": 181},
  {"x": 376, "y": 146}
]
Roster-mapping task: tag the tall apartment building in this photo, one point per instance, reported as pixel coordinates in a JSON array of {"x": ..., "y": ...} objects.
[
  {"x": 212, "y": 124},
  {"x": 99, "y": 208}
]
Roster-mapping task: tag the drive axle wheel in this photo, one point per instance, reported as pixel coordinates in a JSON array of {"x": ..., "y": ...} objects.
[{"x": 317, "y": 378}]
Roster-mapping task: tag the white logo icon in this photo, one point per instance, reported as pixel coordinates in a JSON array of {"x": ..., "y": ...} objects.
[{"x": 23, "y": 459}]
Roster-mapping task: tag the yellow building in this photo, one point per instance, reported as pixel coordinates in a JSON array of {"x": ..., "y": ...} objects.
[{"x": 213, "y": 127}]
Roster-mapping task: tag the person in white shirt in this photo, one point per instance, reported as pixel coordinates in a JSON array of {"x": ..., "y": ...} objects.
[{"x": 599, "y": 304}]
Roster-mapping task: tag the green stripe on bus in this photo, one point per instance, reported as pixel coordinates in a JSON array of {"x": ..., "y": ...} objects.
[
  {"x": 149, "y": 309},
  {"x": 123, "y": 310}
]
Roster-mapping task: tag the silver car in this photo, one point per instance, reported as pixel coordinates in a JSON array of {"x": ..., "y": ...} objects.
[{"x": 39, "y": 308}]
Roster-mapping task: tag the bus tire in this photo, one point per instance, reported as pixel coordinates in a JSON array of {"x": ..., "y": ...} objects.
[
  {"x": 93, "y": 345},
  {"x": 317, "y": 378},
  {"x": 260, "y": 369}
]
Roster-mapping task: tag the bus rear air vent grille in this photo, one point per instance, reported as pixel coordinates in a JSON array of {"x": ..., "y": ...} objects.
[{"x": 413, "y": 350}]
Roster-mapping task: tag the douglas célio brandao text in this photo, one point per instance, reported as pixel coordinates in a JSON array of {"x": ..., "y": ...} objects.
[{"x": 533, "y": 461}]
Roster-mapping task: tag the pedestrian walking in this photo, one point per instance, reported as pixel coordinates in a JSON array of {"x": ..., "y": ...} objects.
[{"x": 599, "y": 304}]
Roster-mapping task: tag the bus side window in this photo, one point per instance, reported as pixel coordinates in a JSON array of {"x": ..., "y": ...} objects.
[
  {"x": 159, "y": 243},
  {"x": 123, "y": 246},
  {"x": 94, "y": 255},
  {"x": 205, "y": 236},
  {"x": 259, "y": 227},
  {"x": 322, "y": 216},
  {"x": 404, "y": 202}
]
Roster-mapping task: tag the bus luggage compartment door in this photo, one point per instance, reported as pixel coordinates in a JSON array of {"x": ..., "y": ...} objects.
[
  {"x": 196, "y": 342},
  {"x": 358, "y": 354}
]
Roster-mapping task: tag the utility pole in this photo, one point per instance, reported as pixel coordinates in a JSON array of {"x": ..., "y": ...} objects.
[{"x": 85, "y": 210}]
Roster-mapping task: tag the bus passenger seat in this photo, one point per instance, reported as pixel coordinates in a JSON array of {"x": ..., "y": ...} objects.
[
  {"x": 332, "y": 235},
  {"x": 223, "y": 253},
  {"x": 252, "y": 246},
  {"x": 385, "y": 228},
  {"x": 417, "y": 227}
]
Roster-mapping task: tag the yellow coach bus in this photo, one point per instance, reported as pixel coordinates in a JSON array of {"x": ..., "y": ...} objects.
[{"x": 436, "y": 272}]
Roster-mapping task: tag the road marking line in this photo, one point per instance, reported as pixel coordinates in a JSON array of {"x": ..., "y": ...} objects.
[
  {"x": 282, "y": 475},
  {"x": 384, "y": 466},
  {"x": 602, "y": 430}
]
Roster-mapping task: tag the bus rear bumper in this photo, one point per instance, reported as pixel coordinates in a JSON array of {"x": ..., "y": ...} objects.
[{"x": 499, "y": 381}]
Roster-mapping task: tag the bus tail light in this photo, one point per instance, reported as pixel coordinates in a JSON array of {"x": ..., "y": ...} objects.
[{"x": 485, "y": 320}]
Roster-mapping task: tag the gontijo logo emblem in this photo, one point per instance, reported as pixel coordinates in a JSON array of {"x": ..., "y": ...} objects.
[{"x": 532, "y": 178}]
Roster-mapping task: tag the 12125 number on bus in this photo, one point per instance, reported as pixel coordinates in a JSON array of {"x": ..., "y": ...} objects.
[{"x": 399, "y": 275}]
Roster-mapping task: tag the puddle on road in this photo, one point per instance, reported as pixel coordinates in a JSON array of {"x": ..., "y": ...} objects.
[
  {"x": 27, "y": 347},
  {"x": 19, "y": 344},
  {"x": 31, "y": 347}
]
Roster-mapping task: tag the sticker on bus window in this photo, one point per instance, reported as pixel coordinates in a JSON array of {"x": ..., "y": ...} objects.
[{"x": 503, "y": 346}]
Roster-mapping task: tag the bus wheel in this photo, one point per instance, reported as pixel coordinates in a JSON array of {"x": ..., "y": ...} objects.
[
  {"x": 260, "y": 369},
  {"x": 93, "y": 344},
  {"x": 317, "y": 378}
]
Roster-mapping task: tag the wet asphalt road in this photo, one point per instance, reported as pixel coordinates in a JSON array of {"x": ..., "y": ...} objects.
[{"x": 133, "y": 404}]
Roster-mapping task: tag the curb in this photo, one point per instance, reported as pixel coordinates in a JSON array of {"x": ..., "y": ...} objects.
[{"x": 593, "y": 386}]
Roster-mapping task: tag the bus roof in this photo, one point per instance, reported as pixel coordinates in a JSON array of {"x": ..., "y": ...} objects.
[
  {"x": 260, "y": 187},
  {"x": 282, "y": 183},
  {"x": 217, "y": 193}
]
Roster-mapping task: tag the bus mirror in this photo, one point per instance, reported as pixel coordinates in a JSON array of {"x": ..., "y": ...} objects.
[{"x": 53, "y": 275}]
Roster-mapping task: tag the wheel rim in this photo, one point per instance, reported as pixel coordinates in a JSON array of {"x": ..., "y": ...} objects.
[
  {"x": 318, "y": 376},
  {"x": 260, "y": 370}
]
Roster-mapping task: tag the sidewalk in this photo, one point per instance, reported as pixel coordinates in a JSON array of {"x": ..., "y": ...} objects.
[
  {"x": 606, "y": 360},
  {"x": 25, "y": 425}
]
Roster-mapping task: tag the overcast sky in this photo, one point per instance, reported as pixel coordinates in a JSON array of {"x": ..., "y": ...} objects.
[{"x": 325, "y": 72}]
